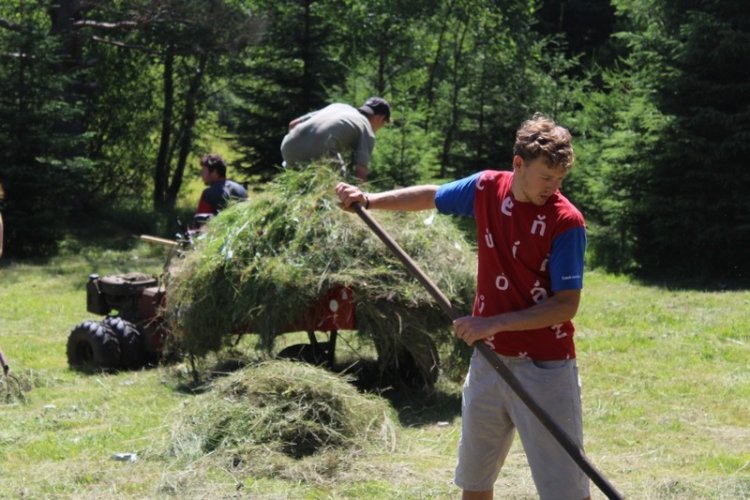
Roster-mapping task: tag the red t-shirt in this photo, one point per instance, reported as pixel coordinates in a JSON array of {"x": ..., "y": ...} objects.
[{"x": 518, "y": 243}]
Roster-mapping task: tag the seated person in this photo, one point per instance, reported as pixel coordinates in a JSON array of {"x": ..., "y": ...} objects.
[{"x": 220, "y": 189}]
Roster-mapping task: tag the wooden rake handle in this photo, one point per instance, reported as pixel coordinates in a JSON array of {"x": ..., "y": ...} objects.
[{"x": 159, "y": 241}]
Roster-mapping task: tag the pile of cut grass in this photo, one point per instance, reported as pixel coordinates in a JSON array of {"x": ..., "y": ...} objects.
[
  {"x": 13, "y": 388},
  {"x": 282, "y": 411},
  {"x": 262, "y": 263}
]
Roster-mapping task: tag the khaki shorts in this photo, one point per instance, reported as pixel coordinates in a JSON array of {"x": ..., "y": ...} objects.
[{"x": 491, "y": 412}]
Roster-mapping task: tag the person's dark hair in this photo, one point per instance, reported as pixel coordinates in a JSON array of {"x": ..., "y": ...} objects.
[
  {"x": 542, "y": 137},
  {"x": 214, "y": 162},
  {"x": 376, "y": 106}
]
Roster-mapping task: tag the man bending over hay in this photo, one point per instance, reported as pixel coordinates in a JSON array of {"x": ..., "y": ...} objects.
[
  {"x": 529, "y": 278},
  {"x": 338, "y": 129}
]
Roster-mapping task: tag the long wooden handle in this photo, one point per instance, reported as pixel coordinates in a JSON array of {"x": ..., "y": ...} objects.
[
  {"x": 575, "y": 452},
  {"x": 159, "y": 241}
]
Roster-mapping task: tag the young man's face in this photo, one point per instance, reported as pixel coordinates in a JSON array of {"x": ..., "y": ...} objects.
[
  {"x": 534, "y": 181},
  {"x": 207, "y": 175}
]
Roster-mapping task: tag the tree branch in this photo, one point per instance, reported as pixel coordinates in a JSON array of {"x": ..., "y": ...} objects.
[
  {"x": 16, "y": 55},
  {"x": 104, "y": 25},
  {"x": 123, "y": 44}
]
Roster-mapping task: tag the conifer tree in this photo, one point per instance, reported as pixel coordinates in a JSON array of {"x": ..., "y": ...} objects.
[{"x": 695, "y": 216}]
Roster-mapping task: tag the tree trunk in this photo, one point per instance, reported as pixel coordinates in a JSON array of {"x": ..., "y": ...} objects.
[
  {"x": 161, "y": 169},
  {"x": 481, "y": 139},
  {"x": 382, "y": 60},
  {"x": 62, "y": 14},
  {"x": 435, "y": 64},
  {"x": 186, "y": 134},
  {"x": 457, "y": 60},
  {"x": 308, "y": 99}
]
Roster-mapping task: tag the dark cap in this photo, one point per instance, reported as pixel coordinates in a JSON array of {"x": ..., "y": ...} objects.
[{"x": 376, "y": 106}]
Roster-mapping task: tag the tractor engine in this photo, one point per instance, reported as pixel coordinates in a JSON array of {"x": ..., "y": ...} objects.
[{"x": 131, "y": 335}]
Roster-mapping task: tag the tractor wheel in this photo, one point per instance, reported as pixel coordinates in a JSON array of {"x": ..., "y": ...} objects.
[
  {"x": 307, "y": 353},
  {"x": 93, "y": 346},
  {"x": 132, "y": 355}
]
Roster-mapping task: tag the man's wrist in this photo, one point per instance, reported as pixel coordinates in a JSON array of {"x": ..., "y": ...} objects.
[{"x": 367, "y": 200}]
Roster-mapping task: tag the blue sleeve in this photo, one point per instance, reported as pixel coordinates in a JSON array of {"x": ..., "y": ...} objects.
[
  {"x": 566, "y": 260},
  {"x": 457, "y": 197}
]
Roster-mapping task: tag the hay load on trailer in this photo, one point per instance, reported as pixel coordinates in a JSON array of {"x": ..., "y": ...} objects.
[{"x": 262, "y": 264}]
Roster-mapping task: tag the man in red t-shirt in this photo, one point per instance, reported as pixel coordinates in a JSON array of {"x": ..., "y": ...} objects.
[{"x": 531, "y": 244}]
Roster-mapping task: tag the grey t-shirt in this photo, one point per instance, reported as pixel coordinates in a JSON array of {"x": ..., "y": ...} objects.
[{"x": 337, "y": 128}]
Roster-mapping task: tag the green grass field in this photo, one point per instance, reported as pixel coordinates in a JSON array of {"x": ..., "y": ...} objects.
[{"x": 666, "y": 395}]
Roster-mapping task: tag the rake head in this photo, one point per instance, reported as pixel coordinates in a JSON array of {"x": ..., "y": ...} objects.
[{"x": 11, "y": 389}]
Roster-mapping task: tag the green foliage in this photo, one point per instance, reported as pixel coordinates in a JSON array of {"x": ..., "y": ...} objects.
[
  {"x": 618, "y": 132},
  {"x": 663, "y": 145},
  {"x": 703, "y": 150},
  {"x": 585, "y": 25},
  {"x": 404, "y": 152},
  {"x": 124, "y": 103},
  {"x": 618, "y": 128},
  {"x": 481, "y": 85},
  {"x": 43, "y": 168},
  {"x": 105, "y": 102}
]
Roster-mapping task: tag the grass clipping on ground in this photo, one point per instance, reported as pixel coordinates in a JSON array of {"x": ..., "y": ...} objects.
[
  {"x": 262, "y": 263},
  {"x": 267, "y": 416}
]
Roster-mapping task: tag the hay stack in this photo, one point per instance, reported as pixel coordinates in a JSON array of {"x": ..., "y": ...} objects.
[
  {"x": 263, "y": 262},
  {"x": 280, "y": 408}
]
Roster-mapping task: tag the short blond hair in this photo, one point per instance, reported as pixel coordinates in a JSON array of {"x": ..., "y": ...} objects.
[{"x": 542, "y": 137}]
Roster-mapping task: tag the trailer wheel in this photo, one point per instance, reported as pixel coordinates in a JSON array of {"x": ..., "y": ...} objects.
[
  {"x": 132, "y": 355},
  {"x": 92, "y": 346}
]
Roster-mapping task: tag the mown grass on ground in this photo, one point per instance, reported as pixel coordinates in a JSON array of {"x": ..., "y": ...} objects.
[{"x": 666, "y": 391}]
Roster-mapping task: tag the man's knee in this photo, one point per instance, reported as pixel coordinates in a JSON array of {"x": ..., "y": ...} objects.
[{"x": 477, "y": 495}]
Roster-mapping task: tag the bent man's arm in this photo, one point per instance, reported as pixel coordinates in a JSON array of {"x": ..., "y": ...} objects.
[
  {"x": 405, "y": 199},
  {"x": 560, "y": 307}
]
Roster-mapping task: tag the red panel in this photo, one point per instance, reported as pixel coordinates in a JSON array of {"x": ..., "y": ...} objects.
[{"x": 333, "y": 311}]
